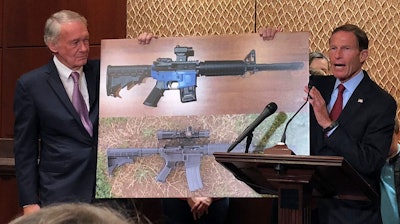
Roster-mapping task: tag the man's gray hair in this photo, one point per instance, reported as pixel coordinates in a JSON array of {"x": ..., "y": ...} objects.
[{"x": 52, "y": 27}]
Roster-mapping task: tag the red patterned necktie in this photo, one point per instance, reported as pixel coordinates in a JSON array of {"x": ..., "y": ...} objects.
[
  {"x": 80, "y": 105},
  {"x": 337, "y": 107}
]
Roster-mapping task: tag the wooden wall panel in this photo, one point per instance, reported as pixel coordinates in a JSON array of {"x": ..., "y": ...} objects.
[
  {"x": 9, "y": 206},
  {"x": 1, "y": 24},
  {"x": 1, "y": 89},
  {"x": 1, "y": 53},
  {"x": 17, "y": 61},
  {"x": 24, "y": 20}
]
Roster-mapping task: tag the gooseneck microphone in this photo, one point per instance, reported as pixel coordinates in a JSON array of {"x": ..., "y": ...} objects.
[
  {"x": 282, "y": 144},
  {"x": 268, "y": 111},
  {"x": 283, "y": 138}
]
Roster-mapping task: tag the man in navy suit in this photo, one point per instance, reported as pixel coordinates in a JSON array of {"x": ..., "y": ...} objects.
[
  {"x": 362, "y": 133},
  {"x": 55, "y": 156}
]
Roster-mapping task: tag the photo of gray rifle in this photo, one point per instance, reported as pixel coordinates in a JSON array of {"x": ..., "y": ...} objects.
[
  {"x": 189, "y": 155},
  {"x": 182, "y": 74}
]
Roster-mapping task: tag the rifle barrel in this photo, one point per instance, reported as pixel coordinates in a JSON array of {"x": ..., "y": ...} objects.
[{"x": 238, "y": 67}]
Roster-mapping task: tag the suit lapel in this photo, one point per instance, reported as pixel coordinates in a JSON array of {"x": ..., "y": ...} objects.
[{"x": 59, "y": 90}]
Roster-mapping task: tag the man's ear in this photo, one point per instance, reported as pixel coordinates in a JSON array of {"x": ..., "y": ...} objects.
[
  {"x": 363, "y": 55},
  {"x": 52, "y": 46}
]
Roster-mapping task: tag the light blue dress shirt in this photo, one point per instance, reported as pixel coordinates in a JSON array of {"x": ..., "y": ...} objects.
[{"x": 350, "y": 86}]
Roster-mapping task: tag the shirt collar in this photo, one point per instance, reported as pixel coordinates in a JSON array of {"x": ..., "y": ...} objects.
[
  {"x": 352, "y": 83},
  {"x": 63, "y": 70}
]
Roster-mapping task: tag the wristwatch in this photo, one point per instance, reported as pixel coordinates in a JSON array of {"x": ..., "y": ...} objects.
[{"x": 333, "y": 125}]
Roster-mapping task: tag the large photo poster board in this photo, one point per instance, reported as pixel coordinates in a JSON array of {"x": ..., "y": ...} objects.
[{"x": 166, "y": 107}]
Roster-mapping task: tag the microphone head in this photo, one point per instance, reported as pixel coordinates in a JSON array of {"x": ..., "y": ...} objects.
[
  {"x": 272, "y": 107},
  {"x": 268, "y": 110}
]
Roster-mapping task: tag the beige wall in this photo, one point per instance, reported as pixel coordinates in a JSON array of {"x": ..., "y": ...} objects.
[{"x": 379, "y": 18}]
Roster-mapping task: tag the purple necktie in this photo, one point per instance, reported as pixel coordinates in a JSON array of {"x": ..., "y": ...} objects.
[
  {"x": 80, "y": 105},
  {"x": 337, "y": 107}
]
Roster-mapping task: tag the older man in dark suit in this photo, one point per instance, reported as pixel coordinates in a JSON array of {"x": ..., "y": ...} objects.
[{"x": 55, "y": 140}]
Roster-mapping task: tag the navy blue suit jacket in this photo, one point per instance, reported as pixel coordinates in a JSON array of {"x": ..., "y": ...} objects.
[
  {"x": 363, "y": 138},
  {"x": 61, "y": 167}
]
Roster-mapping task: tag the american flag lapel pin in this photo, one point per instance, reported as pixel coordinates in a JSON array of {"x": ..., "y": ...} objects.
[{"x": 360, "y": 101}]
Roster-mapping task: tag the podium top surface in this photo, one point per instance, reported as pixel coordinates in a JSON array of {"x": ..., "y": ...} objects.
[
  {"x": 329, "y": 176},
  {"x": 283, "y": 159}
]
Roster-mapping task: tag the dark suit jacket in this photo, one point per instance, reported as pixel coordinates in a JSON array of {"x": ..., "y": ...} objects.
[
  {"x": 63, "y": 167},
  {"x": 363, "y": 138}
]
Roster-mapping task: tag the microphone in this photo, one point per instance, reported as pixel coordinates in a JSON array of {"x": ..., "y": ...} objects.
[
  {"x": 281, "y": 147},
  {"x": 283, "y": 138},
  {"x": 248, "y": 132}
]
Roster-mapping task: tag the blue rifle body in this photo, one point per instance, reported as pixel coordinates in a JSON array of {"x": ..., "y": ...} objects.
[{"x": 182, "y": 74}]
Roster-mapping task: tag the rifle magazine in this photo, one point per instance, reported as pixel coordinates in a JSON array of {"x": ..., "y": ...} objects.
[{"x": 194, "y": 178}]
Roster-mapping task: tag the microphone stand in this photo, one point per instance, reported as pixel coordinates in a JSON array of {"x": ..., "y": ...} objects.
[
  {"x": 248, "y": 141},
  {"x": 281, "y": 148}
]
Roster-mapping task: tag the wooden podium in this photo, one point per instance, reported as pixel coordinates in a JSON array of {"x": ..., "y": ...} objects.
[{"x": 297, "y": 179}]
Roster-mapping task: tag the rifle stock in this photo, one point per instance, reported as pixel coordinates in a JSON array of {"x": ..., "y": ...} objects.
[{"x": 122, "y": 76}]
